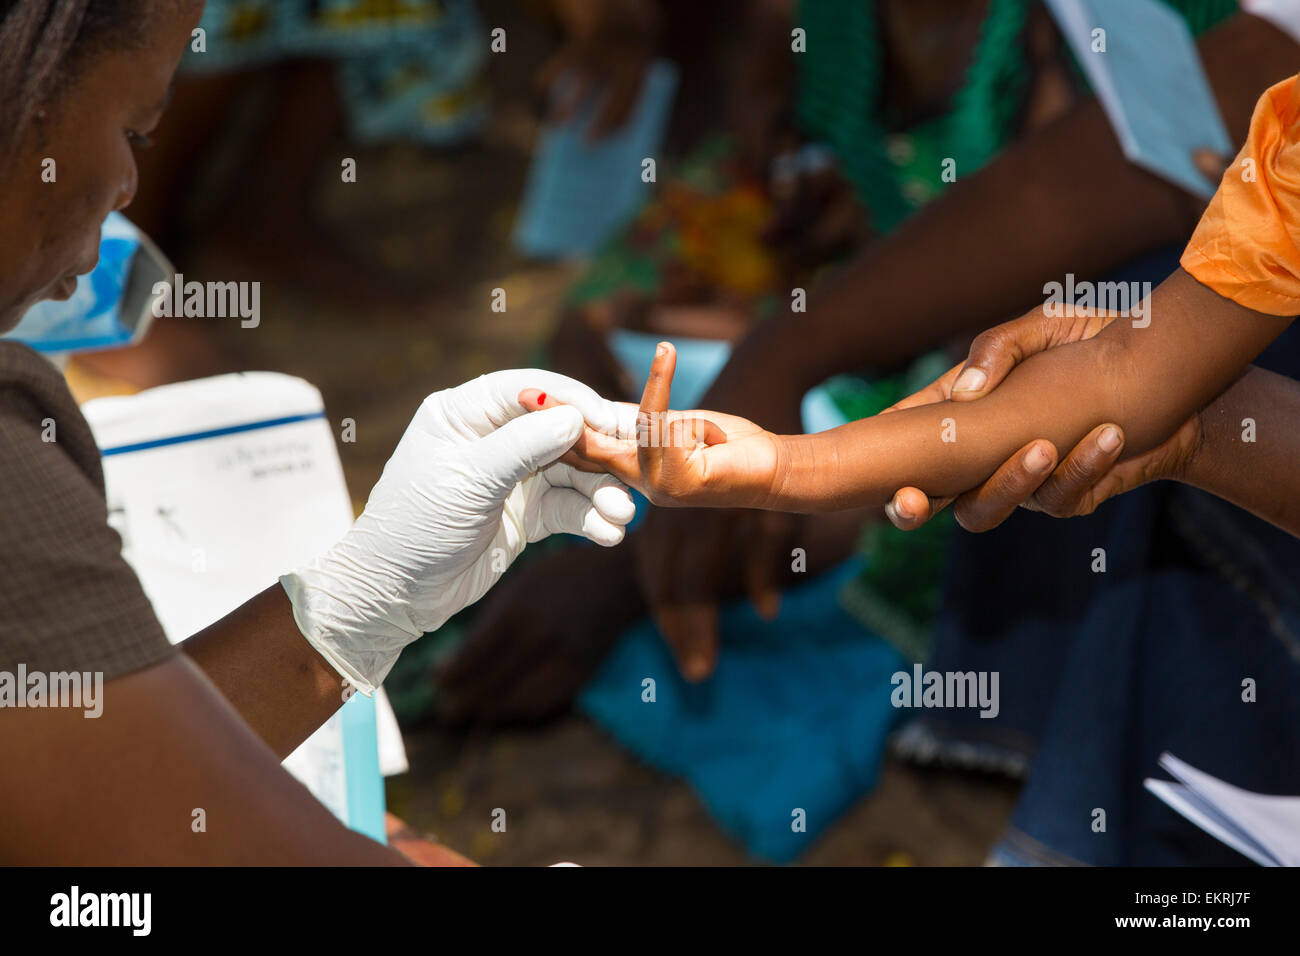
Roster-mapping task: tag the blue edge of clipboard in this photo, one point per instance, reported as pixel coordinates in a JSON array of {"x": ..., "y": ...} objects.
[{"x": 365, "y": 784}]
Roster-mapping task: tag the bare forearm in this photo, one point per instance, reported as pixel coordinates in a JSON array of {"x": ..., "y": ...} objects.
[
  {"x": 947, "y": 447},
  {"x": 175, "y": 778},
  {"x": 988, "y": 231},
  {"x": 265, "y": 668},
  {"x": 1147, "y": 380},
  {"x": 1250, "y": 446}
]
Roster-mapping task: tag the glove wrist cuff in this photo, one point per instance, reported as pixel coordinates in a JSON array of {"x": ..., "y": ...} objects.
[{"x": 361, "y": 651}]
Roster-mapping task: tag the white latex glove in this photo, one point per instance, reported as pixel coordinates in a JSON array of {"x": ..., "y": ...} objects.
[{"x": 471, "y": 482}]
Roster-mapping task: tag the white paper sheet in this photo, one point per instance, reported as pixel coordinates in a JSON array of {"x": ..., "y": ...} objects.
[
  {"x": 1259, "y": 826},
  {"x": 217, "y": 487}
]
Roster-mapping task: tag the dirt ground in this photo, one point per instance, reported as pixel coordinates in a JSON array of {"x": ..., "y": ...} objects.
[
  {"x": 570, "y": 793},
  {"x": 445, "y": 217}
]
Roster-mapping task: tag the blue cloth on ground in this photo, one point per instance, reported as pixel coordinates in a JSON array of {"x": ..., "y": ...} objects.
[{"x": 796, "y": 716}]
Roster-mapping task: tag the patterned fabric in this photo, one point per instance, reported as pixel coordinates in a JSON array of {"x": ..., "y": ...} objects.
[
  {"x": 701, "y": 236},
  {"x": 407, "y": 68},
  {"x": 68, "y": 600}
]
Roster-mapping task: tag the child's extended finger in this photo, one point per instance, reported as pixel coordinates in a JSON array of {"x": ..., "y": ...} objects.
[
  {"x": 652, "y": 414},
  {"x": 659, "y": 383}
]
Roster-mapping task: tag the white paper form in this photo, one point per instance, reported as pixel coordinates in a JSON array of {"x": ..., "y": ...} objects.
[
  {"x": 218, "y": 486},
  {"x": 1259, "y": 826}
]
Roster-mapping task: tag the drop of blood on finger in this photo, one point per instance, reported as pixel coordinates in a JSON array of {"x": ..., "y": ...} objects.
[{"x": 541, "y": 398}]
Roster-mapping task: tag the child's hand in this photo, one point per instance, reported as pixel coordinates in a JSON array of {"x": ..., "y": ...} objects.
[{"x": 680, "y": 458}]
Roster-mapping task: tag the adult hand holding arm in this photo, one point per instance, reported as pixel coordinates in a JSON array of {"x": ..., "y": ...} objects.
[
  {"x": 873, "y": 316},
  {"x": 1148, "y": 380},
  {"x": 1207, "y": 451}
]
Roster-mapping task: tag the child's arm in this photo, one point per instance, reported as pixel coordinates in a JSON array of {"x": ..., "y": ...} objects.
[
  {"x": 1242, "y": 447},
  {"x": 1147, "y": 380}
]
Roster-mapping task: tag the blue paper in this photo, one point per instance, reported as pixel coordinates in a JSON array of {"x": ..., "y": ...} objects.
[
  {"x": 580, "y": 192},
  {"x": 1151, "y": 83}
]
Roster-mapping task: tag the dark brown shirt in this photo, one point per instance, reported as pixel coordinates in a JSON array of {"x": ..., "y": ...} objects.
[{"x": 68, "y": 600}]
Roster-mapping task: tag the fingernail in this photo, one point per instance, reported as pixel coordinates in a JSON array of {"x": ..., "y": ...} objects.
[
  {"x": 1108, "y": 440},
  {"x": 971, "y": 380},
  {"x": 901, "y": 509},
  {"x": 1037, "y": 460},
  {"x": 661, "y": 348},
  {"x": 541, "y": 398}
]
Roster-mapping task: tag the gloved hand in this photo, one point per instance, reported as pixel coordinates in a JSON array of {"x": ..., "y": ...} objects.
[{"x": 471, "y": 482}]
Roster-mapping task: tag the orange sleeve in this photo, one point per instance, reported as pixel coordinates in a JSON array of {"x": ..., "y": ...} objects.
[{"x": 1247, "y": 245}]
